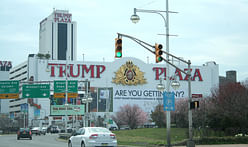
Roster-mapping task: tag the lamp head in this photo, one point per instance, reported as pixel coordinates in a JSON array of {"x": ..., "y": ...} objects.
[
  {"x": 135, "y": 18},
  {"x": 160, "y": 86},
  {"x": 90, "y": 99},
  {"x": 175, "y": 84}
]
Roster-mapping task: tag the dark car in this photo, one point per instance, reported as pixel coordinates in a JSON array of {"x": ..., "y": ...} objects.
[
  {"x": 55, "y": 129},
  {"x": 24, "y": 133}
]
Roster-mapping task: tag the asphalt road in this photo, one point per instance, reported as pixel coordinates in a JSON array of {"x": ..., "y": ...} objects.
[{"x": 48, "y": 140}]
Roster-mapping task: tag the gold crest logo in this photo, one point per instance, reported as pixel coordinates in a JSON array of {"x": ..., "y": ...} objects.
[{"x": 129, "y": 74}]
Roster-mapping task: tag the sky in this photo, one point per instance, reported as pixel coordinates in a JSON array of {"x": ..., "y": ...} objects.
[{"x": 207, "y": 30}]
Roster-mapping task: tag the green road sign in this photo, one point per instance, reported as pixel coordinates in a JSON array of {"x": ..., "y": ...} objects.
[
  {"x": 69, "y": 110},
  {"x": 9, "y": 89},
  {"x": 36, "y": 91},
  {"x": 60, "y": 86}
]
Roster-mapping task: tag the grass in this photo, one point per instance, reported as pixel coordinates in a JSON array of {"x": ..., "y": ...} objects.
[{"x": 149, "y": 136}]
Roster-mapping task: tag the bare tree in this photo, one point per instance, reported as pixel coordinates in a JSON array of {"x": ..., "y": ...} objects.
[
  {"x": 158, "y": 116},
  {"x": 133, "y": 116},
  {"x": 180, "y": 115},
  {"x": 229, "y": 109}
]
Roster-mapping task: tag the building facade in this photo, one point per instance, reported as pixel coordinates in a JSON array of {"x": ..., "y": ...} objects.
[
  {"x": 112, "y": 84},
  {"x": 231, "y": 77},
  {"x": 5, "y": 66},
  {"x": 57, "y": 35}
]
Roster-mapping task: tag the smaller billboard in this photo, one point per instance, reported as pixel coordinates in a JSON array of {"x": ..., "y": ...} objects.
[{"x": 69, "y": 110}]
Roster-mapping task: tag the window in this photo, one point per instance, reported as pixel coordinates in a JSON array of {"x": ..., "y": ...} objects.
[{"x": 62, "y": 41}]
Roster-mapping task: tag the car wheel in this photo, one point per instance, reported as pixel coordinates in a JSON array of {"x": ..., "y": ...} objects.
[
  {"x": 82, "y": 144},
  {"x": 30, "y": 138},
  {"x": 69, "y": 144},
  {"x": 18, "y": 138}
]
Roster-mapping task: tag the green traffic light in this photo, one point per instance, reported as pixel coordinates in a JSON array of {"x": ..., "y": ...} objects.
[
  {"x": 118, "y": 54},
  {"x": 159, "y": 58}
]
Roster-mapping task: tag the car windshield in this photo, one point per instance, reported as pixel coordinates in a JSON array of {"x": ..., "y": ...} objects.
[{"x": 99, "y": 130}]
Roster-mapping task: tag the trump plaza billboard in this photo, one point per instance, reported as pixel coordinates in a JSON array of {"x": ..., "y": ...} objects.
[{"x": 132, "y": 81}]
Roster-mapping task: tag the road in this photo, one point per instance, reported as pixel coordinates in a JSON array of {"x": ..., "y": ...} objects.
[{"x": 48, "y": 140}]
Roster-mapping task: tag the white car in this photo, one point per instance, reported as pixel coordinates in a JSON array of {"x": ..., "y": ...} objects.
[
  {"x": 36, "y": 130},
  {"x": 92, "y": 136}
]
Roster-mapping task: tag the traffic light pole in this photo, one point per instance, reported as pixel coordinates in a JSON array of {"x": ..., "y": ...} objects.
[
  {"x": 140, "y": 42},
  {"x": 190, "y": 142}
]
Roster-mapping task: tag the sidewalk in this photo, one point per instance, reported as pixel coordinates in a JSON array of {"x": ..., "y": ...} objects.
[
  {"x": 222, "y": 145},
  {"x": 219, "y": 145}
]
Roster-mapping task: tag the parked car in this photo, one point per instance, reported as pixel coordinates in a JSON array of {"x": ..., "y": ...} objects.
[
  {"x": 113, "y": 128},
  {"x": 36, "y": 131},
  {"x": 124, "y": 127},
  {"x": 92, "y": 136},
  {"x": 24, "y": 133}
]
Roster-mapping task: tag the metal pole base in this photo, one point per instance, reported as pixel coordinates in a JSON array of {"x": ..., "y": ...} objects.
[{"x": 190, "y": 143}]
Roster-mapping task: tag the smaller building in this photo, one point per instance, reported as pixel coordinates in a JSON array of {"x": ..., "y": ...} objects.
[
  {"x": 231, "y": 77},
  {"x": 5, "y": 66}
]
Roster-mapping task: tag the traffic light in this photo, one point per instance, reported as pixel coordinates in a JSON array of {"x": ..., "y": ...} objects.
[
  {"x": 194, "y": 104},
  {"x": 118, "y": 47},
  {"x": 158, "y": 52}
]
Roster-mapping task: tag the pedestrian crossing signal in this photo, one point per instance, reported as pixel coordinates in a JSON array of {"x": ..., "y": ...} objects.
[{"x": 194, "y": 105}]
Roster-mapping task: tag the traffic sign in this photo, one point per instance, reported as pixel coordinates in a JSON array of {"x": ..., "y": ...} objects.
[
  {"x": 169, "y": 101},
  {"x": 67, "y": 110},
  {"x": 24, "y": 108},
  {"x": 60, "y": 89},
  {"x": 9, "y": 89},
  {"x": 36, "y": 91},
  {"x": 196, "y": 95}
]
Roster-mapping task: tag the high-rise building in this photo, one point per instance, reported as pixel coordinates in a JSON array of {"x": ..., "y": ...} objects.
[{"x": 58, "y": 36}]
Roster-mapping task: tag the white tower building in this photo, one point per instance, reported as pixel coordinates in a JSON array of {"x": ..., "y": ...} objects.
[{"x": 57, "y": 35}]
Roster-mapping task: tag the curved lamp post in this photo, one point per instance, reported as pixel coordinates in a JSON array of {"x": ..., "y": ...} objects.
[
  {"x": 135, "y": 19},
  {"x": 176, "y": 85},
  {"x": 87, "y": 101}
]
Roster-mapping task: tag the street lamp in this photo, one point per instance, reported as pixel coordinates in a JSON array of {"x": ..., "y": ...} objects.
[
  {"x": 135, "y": 19},
  {"x": 77, "y": 109},
  {"x": 87, "y": 101},
  {"x": 175, "y": 84}
]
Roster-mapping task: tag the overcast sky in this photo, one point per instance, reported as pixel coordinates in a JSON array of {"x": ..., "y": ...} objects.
[{"x": 208, "y": 30}]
